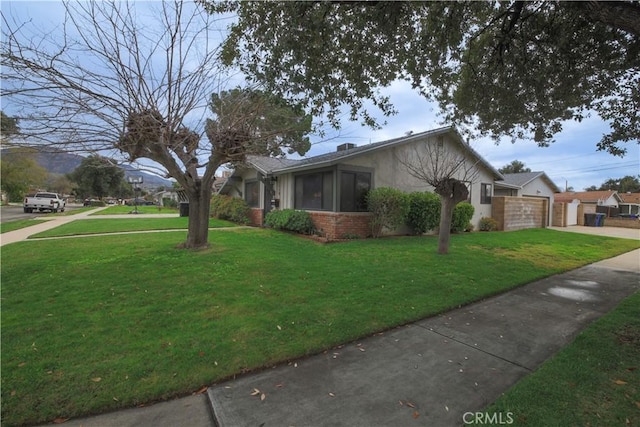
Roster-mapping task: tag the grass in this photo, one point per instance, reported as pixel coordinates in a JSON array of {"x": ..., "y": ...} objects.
[
  {"x": 121, "y": 209},
  {"x": 595, "y": 381},
  {"x": 5, "y": 227},
  {"x": 96, "y": 324},
  {"x": 96, "y": 226}
]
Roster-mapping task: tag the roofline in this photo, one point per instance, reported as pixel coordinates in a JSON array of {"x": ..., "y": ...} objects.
[
  {"x": 390, "y": 143},
  {"x": 542, "y": 174}
]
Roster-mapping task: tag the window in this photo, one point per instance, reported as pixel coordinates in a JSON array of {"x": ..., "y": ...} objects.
[
  {"x": 354, "y": 187},
  {"x": 485, "y": 194},
  {"x": 252, "y": 193},
  {"x": 314, "y": 191}
]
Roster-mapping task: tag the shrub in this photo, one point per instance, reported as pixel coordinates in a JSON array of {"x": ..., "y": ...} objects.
[
  {"x": 230, "y": 208},
  {"x": 424, "y": 211},
  {"x": 168, "y": 202},
  {"x": 389, "y": 207},
  {"x": 488, "y": 224},
  {"x": 291, "y": 220},
  {"x": 462, "y": 214}
]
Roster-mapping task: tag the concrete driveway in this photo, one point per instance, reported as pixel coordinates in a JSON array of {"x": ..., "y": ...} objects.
[{"x": 623, "y": 233}]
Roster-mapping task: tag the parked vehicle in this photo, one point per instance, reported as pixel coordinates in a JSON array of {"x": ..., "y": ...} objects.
[{"x": 43, "y": 201}]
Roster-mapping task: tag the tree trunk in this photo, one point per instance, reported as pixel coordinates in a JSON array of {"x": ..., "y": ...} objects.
[
  {"x": 199, "y": 211},
  {"x": 446, "y": 214}
]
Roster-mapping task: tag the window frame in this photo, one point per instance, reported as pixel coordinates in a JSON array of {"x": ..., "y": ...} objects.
[
  {"x": 251, "y": 182},
  {"x": 355, "y": 173},
  {"x": 327, "y": 202},
  {"x": 485, "y": 199}
]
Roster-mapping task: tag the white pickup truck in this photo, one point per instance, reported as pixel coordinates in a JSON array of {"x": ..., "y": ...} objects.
[{"x": 44, "y": 202}]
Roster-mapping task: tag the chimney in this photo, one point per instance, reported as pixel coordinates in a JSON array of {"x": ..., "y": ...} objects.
[{"x": 346, "y": 146}]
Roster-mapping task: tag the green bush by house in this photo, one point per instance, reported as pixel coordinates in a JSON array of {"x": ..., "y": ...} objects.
[
  {"x": 230, "y": 208},
  {"x": 488, "y": 224},
  {"x": 389, "y": 207},
  {"x": 461, "y": 220},
  {"x": 424, "y": 211},
  {"x": 290, "y": 220}
]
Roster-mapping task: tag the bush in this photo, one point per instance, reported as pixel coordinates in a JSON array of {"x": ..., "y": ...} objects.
[
  {"x": 462, "y": 214},
  {"x": 488, "y": 224},
  {"x": 168, "y": 202},
  {"x": 291, "y": 220},
  {"x": 389, "y": 207},
  {"x": 424, "y": 211},
  {"x": 230, "y": 208}
]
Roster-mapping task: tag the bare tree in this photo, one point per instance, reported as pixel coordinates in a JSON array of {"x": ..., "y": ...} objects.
[
  {"x": 448, "y": 171},
  {"x": 111, "y": 80}
]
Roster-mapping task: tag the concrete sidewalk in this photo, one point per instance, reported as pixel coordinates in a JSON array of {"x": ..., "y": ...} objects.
[{"x": 56, "y": 221}]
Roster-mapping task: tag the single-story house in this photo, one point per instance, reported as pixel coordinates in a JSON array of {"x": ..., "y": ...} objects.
[
  {"x": 528, "y": 184},
  {"x": 599, "y": 198},
  {"x": 332, "y": 186},
  {"x": 630, "y": 204}
]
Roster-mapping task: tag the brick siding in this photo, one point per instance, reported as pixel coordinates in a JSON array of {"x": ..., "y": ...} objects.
[
  {"x": 256, "y": 217},
  {"x": 338, "y": 225}
]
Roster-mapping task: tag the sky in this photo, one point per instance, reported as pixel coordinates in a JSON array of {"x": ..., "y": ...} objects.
[{"x": 572, "y": 161}]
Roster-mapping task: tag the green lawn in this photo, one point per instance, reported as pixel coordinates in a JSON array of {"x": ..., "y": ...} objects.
[
  {"x": 122, "y": 209},
  {"x": 95, "y": 324},
  {"x": 595, "y": 381},
  {"x": 5, "y": 227},
  {"x": 95, "y": 226}
]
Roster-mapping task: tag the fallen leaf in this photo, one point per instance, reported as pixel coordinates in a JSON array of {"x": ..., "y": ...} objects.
[
  {"x": 20, "y": 365},
  {"x": 620, "y": 382},
  {"x": 279, "y": 385},
  {"x": 411, "y": 405},
  {"x": 446, "y": 407},
  {"x": 263, "y": 396},
  {"x": 279, "y": 328},
  {"x": 331, "y": 394},
  {"x": 13, "y": 392},
  {"x": 115, "y": 398},
  {"x": 60, "y": 420},
  {"x": 202, "y": 390},
  {"x": 255, "y": 392},
  {"x": 416, "y": 414},
  {"x": 96, "y": 379},
  {"x": 638, "y": 405}
]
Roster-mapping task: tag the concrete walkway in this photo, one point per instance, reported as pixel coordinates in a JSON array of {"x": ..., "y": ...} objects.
[{"x": 431, "y": 372}]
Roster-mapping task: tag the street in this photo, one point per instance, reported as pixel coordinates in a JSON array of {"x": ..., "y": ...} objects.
[{"x": 15, "y": 212}]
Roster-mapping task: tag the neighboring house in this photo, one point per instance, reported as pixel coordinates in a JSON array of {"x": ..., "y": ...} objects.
[
  {"x": 599, "y": 198},
  {"x": 332, "y": 186},
  {"x": 528, "y": 184},
  {"x": 630, "y": 204},
  {"x": 159, "y": 197}
]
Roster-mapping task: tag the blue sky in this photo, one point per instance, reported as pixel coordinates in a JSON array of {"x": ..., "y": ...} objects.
[{"x": 572, "y": 160}]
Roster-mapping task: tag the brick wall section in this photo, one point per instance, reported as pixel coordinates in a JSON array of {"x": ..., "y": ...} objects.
[
  {"x": 335, "y": 225},
  {"x": 517, "y": 213},
  {"x": 559, "y": 215},
  {"x": 622, "y": 222},
  {"x": 256, "y": 217}
]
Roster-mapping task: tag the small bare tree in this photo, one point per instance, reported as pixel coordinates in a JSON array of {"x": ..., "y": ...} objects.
[
  {"x": 113, "y": 81},
  {"x": 448, "y": 171}
]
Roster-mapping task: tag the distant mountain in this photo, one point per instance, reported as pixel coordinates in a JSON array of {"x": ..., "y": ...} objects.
[{"x": 64, "y": 163}]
